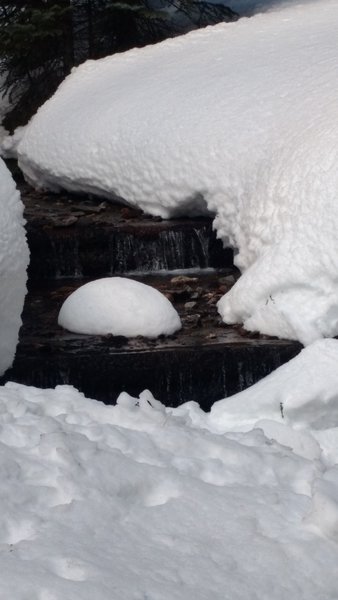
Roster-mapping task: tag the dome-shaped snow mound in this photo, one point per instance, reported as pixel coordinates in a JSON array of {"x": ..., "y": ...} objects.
[
  {"x": 14, "y": 258},
  {"x": 121, "y": 307}
]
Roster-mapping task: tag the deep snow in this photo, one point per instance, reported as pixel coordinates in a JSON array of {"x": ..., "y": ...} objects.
[
  {"x": 14, "y": 258},
  {"x": 140, "y": 501},
  {"x": 239, "y": 120},
  {"x": 119, "y": 306}
]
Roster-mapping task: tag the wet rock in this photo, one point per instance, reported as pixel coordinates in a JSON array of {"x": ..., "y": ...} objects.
[
  {"x": 211, "y": 297},
  {"x": 193, "y": 321},
  {"x": 190, "y": 305},
  {"x": 65, "y": 222},
  {"x": 183, "y": 280},
  {"x": 182, "y": 295},
  {"x": 247, "y": 334},
  {"x": 228, "y": 280},
  {"x": 211, "y": 336},
  {"x": 78, "y": 213},
  {"x": 117, "y": 341},
  {"x": 195, "y": 295},
  {"x": 92, "y": 208},
  {"x": 129, "y": 213}
]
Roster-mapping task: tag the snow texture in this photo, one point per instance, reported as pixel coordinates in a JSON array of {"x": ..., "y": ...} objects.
[
  {"x": 14, "y": 258},
  {"x": 119, "y": 306},
  {"x": 139, "y": 501},
  {"x": 10, "y": 143},
  {"x": 237, "y": 120}
]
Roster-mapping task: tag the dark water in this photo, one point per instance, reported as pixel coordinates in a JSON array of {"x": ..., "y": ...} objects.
[{"x": 204, "y": 362}]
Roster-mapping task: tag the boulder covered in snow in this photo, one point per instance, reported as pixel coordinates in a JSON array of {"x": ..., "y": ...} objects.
[
  {"x": 238, "y": 120},
  {"x": 119, "y": 306},
  {"x": 14, "y": 259}
]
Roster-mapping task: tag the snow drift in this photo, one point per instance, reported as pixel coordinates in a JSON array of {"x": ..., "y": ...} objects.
[
  {"x": 140, "y": 501},
  {"x": 238, "y": 120},
  {"x": 14, "y": 258}
]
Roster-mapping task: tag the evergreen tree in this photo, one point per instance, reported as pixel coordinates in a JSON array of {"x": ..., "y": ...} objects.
[
  {"x": 35, "y": 51},
  {"x": 40, "y": 40}
]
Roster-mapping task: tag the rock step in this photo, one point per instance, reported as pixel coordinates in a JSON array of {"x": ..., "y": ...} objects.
[
  {"x": 71, "y": 236},
  {"x": 204, "y": 362}
]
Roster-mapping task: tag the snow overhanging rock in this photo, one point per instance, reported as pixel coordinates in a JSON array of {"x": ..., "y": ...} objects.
[{"x": 237, "y": 120}]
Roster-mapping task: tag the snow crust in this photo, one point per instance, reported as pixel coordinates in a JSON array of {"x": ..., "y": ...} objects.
[
  {"x": 14, "y": 259},
  {"x": 141, "y": 501},
  {"x": 119, "y": 306},
  {"x": 237, "y": 120}
]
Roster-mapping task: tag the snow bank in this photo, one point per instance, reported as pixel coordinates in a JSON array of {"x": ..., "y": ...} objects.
[
  {"x": 119, "y": 306},
  {"x": 303, "y": 392},
  {"x": 141, "y": 501},
  {"x": 239, "y": 120},
  {"x": 14, "y": 258}
]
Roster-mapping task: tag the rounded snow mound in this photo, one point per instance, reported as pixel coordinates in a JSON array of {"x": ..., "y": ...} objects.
[
  {"x": 14, "y": 259},
  {"x": 121, "y": 307}
]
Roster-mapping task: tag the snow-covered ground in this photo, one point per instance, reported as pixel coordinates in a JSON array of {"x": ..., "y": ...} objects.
[
  {"x": 119, "y": 306},
  {"x": 239, "y": 120},
  {"x": 140, "y": 501},
  {"x": 14, "y": 258}
]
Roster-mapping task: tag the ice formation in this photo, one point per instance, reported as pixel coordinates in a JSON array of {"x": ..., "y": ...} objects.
[
  {"x": 237, "y": 120},
  {"x": 119, "y": 306},
  {"x": 142, "y": 501},
  {"x": 14, "y": 258}
]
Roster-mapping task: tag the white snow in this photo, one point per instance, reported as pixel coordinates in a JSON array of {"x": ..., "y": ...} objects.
[
  {"x": 10, "y": 143},
  {"x": 119, "y": 306},
  {"x": 239, "y": 120},
  {"x": 139, "y": 501},
  {"x": 14, "y": 258}
]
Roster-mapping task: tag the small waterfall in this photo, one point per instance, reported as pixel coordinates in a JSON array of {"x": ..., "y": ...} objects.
[
  {"x": 196, "y": 373},
  {"x": 54, "y": 256},
  {"x": 66, "y": 257},
  {"x": 190, "y": 367},
  {"x": 85, "y": 251},
  {"x": 167, "y": 249}
]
